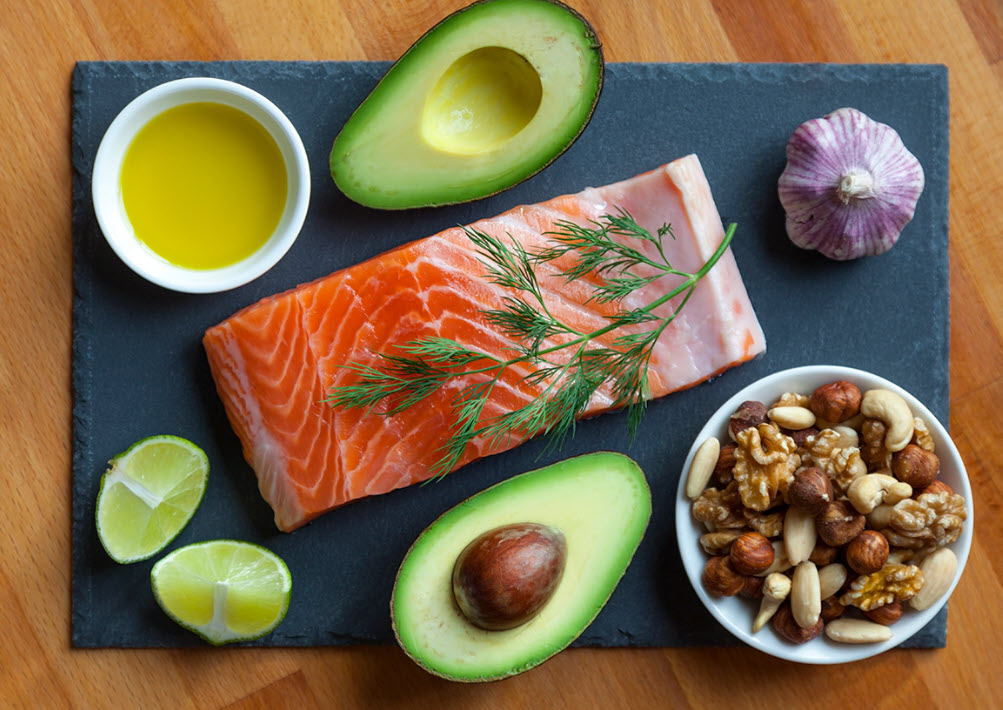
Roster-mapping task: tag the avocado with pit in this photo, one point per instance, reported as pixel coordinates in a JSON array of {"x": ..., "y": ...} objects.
[
  {"x": 482, "y": 101},
  {"x": 591, "y": 511}
]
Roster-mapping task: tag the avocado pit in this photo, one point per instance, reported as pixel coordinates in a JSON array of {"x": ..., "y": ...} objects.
[{"x": 505, "y": 576}]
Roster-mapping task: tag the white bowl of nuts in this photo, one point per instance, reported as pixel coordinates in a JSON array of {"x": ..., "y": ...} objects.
[{"x": 824, "y": 515}]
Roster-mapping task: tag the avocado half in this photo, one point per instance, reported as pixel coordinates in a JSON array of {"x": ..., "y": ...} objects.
[
  {"x": 485, "y": 99},
  {"x": 602, "y": 504}
]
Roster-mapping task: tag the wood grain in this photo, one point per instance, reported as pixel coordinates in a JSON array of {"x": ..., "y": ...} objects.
[{"x": 39, "y": 44}]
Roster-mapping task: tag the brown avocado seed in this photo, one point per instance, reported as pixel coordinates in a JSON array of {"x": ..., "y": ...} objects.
[{"x": 506, "y": 575}]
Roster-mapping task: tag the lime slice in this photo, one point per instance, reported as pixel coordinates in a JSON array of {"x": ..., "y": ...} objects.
[
  {"x": 148, "y": 495},
  {"x": 223, "y": 590}
]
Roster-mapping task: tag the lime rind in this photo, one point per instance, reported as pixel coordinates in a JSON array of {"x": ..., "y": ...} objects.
[
  {"x": 148, "y": 495},
  {"x": 224, "y": 591}
]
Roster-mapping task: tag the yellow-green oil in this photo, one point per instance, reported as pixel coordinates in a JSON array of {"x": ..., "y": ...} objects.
[{"x": 204, "y": 185}]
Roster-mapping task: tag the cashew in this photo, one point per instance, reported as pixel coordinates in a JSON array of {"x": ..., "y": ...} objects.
[
  {"x": 776, "y": 587},
  {"x": 894, "y": 412},
  {"x": 702, "y": 467},
  {"x": 881, "y": 517},
  {"x": 868, "y": 492}
]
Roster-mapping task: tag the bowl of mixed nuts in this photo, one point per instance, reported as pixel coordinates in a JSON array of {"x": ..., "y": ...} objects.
[{"x": 824, "y": 515}]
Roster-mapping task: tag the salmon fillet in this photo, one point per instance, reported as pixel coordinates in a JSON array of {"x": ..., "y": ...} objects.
[{"x": 276, "y": 361}]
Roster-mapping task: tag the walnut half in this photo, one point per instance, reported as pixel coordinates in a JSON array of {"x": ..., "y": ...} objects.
[{"x": 765, "y": 461}]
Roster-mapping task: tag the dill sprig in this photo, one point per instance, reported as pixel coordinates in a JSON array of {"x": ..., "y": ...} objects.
[{"x": 567, "y": 366}]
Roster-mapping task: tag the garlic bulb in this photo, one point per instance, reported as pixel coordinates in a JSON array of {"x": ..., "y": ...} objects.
[{"x": 850, "y": 185}]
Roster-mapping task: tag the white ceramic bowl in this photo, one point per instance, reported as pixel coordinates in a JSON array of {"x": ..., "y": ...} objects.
[
  {"x": 107, "y": 192},
  {"x": 737, "y": 613}
]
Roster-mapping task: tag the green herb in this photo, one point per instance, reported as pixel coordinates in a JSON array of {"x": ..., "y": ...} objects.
[{"x": 568, "y": 383}]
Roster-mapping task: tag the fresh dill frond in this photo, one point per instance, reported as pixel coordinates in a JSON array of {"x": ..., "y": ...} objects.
[{"x": 565, "y": 366}]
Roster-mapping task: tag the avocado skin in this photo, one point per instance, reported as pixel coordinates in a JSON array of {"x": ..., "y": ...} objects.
[
  {"x": 399, "y": 197},
  {"x": 610, "y": 486}
]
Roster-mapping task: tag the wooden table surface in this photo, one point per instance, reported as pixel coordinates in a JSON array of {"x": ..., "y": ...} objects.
[{"x": 39, "y": 43}]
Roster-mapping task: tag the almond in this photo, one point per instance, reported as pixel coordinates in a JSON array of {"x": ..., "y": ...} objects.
[
  {"x": 856, "y": 631},
  {"x": 938, "y": 570}
]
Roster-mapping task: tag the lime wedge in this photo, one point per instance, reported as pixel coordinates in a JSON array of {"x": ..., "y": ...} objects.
[
  {"x": 223, "y": 590},
  {"x": 148, "y": 494}
]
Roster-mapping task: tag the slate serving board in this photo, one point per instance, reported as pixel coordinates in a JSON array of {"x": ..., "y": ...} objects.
[{"x": 139, "y": 367}]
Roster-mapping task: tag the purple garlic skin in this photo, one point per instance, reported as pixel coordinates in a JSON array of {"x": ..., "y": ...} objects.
[{"x": 850, "y": 185}]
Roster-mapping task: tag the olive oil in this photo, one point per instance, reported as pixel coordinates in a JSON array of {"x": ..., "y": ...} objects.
[{"x": 204, "y": 185}]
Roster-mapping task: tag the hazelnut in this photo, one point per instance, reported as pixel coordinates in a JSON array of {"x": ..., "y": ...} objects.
[
  {"x": 935, "y": 487},
  {"x": 886, "y": 615},
  {"x": 839, "y": 523},
  {"x": 720, "y": 578},
  {"x": 915, "y": 466},
  {"x": 785, "y": 625},
  {"x": 725, "y": 464},
  {"x": 836, "y": 402},
  {"x": 753, "y": 587},
  {"x": 811, "y": 490},
  {"x": 831, "y": 609},
  {"x": 867, "y": 552},
  {"x": 751, "y": 553},
  {"x": 505, "y": 576},
  {"x": 749, "y": 414},
  {"x": 823, "y": 554}
]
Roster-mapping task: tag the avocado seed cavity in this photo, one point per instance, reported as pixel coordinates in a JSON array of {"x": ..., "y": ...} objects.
[
  {"x": 505, "y": 576},
  {"x": 484, "y": 99}
]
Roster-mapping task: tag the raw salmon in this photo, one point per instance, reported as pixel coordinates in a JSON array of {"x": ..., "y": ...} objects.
[{"x": 276, "y": 361}]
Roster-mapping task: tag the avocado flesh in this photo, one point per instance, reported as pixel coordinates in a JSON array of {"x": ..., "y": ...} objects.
[
  {"x": 601, "y": 502},
  {"x": 485, "y": 99}
]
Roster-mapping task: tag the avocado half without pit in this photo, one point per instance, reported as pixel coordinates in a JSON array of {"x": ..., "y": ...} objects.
[
  {"x": 483, "y": 595},
  {"x": 482, "y": 101}
]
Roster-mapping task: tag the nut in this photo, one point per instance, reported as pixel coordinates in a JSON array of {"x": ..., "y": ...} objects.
[
  {"x": 795, "y": 418},
  {"x": 839, "y": 523},
  {"x": 780, "y": 561},
  {"x": 938, "y": 571},
  {"x": 751, "y": 553},
  {"x": 937, "y": 487},
  {"x": 867, "y": 552},
  {"x": 848, "y": 438},
  {"x": 720, "y": 578},
  {"x": 702, "y": 467},
  {"x": 823, "y": 554},
  {"x": 857, "y": 631},
  {"x": 915, "y": 466},
  {"x": 752, "y": 588},
  {"x": 831, "y": 579},
  {"x": 776, "y": 588},
  {"x": 831, "y": 609},
  {"x": 892, "y": 583},
  {"x": 869, "y": 491},
  {"x": 719, "y": 542},
  {"x": 811, "y": 490},
  {"x": 800, "y": 436},
  {"x": 785, "y": 625},
  {"x": 881, "y": 517},
  {"x": 836, "y": 402},
  {"x": 749, "y": 414},
  {"x": 799, "y": 534},
  {"x": 894, "y": 412},
  {"x": 806, "y": 599},
  {"x": 765, "y": 462},
  {"x": 725, "y": 463},
  {"x": 885, "y": 615}
]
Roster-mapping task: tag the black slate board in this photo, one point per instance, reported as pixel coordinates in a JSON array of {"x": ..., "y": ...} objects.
[{"x": 139, "y": 367}]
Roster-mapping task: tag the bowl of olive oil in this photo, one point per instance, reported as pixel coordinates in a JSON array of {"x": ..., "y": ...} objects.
[{"x": 201, "y": 185}]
